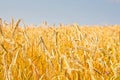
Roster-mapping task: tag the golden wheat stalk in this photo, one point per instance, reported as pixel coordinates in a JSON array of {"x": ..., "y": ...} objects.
[
  {"x": 12, "y": 23},
  {"x": 1, "y": 27},
  {"x": 5, "y": 66},
  {"x": 16, "y": 26},
  {"x": 14, "y": 59},
  {"x": 55, "y": 38}
]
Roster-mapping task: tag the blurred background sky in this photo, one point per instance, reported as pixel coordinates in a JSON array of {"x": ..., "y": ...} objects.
[{"x": 83, "y": 12}]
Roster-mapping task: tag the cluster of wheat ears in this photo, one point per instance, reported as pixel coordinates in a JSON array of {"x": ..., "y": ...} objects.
[{"x": 67, "y": 52}]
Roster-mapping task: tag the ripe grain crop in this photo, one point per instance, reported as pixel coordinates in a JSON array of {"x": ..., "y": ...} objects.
[{"x": 64, "y": 52}]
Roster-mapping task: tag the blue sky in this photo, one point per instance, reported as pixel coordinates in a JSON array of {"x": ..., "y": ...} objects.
[{"x": 83, "y": 12}]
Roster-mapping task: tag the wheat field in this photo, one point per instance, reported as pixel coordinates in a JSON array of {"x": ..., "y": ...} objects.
[{"x": 66, "y": 52}]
